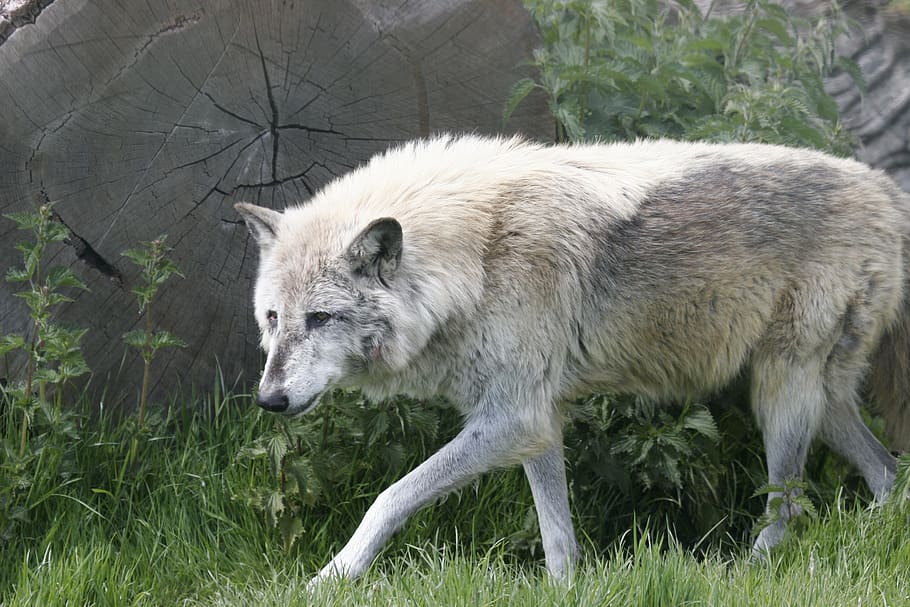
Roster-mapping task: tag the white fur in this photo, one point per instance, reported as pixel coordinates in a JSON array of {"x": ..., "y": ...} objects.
[{"x": 529, "y": 275}]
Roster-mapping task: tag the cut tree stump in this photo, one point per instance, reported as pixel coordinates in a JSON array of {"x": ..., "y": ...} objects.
[
  {"x": 143, "y": 118},
  {"x": 137, "y": 119}
]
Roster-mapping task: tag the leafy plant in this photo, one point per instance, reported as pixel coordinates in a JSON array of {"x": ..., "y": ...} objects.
[
  {"x": 156, "y": 270},
  {"x": 52, "y": 357},
  {"x": 901, "y": 491},
  {"x": 645, "y": 68},
  {"x": 346, "y": 442},
  {"x": 791, "y": 499}
]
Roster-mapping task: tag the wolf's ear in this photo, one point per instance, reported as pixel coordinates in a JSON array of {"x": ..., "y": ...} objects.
[
  {"x": 376, "y": 251},
  {"x": 262, "y": 222}
]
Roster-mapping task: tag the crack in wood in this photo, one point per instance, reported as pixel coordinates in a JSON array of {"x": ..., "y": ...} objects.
[
  {"x": 277, "y": 182},
  {"x": 273, "y": 128},
  {"x": 179, "y": 23},
  {"x": 273, "y": 119},
  {"x": 230, "y": 113},
  {"x": 205, "y": 158},
  {"x": 148, "y": 167},
  {"x": 312, "y": 129},
  {"x": 87, "y": 253}
]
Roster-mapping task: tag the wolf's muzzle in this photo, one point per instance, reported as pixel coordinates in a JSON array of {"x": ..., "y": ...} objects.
[{"x": 275, "y": 402}]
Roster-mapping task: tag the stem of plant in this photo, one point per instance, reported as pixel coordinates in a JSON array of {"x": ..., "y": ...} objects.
[
  {"x": 745, "y": 34},
  {"x": 23, "y": 433},
  {"x": 587, "y": 64},
  {"x": 29, "y": 379},
  {"x": 147, "y": 360}
]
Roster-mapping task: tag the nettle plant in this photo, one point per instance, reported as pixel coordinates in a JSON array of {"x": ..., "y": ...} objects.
[
  {"x": 156, "y": 268},
  {"x": 646, "y": 68},
  {"x": 35, "y": 427},
  {"x": 316, "y": 460}
]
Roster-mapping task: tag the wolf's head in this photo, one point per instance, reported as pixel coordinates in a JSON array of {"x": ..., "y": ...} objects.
[
  {"x": 347, "y": 296},
  {"x": 322, "y": 303}
]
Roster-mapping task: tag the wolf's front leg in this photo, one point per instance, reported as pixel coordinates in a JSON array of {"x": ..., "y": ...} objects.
[{"x": 482, "y": 445}]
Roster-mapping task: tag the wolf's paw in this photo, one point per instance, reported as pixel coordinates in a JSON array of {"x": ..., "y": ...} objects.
[
  {"x": 332, "y": 572},
  {"x": 769, "y": 537},
  {"x": 321, "y": 580}
]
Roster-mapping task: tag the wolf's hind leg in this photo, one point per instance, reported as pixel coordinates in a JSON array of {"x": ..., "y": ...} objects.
[
  {"x": 788, "y": 400},
  {"x": 843, "y": 429},
  {"x": 547, "y": 476}
]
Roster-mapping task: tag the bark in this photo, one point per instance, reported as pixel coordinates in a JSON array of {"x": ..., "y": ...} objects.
[
  {"x": 142, "y": 118},
  {"x": 880, "y": 44}
]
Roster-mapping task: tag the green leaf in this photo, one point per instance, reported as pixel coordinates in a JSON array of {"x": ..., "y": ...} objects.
[
  {"x": 705, "y": 44},
  {"x": 802, "y": 500},
  {"x": 73, "y": 368},
  {"x": 144, "y": 294},
  {"x": 164, "y": 339},
  {"x": 135, "y": 339},
  {"x": 47, "y": 376},
  {"x": 570, "y": 121},
  {"x": 852, "y": 68},
  {"x": 274, "y": 506},
  {"x": 56, "y": 232},
  {"x": 767, "y": 489},
  {"x": 26, "y": 220},
  {"x": 700, "y": 421},
  {"x": 252, "y": 452},
  {"x": 11, "y": 342},
  {"x": 139, "y": 256},
  {"x": 378, "y": 426},
  {"x": 809, "y": 136},
  {"x": 17, "y": 275},
  {"x": 517, "y": 94},
  {"x": 778, "y": 28},
  {"x": 28, "y": 249},
  {"x": 277, "y": 447},
  {"x": 291, "y": 527},
  {"x": 60, "y": 276},
  {"x": 53, "y": 299}
]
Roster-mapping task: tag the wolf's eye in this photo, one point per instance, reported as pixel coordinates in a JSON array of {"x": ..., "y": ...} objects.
[
  {"x": 317, "y": 319},
  {"x": 272, "y": 317}
]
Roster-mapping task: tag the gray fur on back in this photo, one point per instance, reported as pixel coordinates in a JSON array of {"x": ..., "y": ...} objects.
[{"x": 512, "y": 277}]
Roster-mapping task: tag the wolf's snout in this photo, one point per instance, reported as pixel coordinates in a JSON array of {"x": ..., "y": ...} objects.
[{"x": 273, "y": 401}]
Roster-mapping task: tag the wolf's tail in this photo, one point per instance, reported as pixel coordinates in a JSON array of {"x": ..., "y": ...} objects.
[{"x": 889, "y": 380}]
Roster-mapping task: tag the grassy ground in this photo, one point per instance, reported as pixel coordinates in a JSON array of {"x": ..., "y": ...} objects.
[{"x": 177, "y": 531}]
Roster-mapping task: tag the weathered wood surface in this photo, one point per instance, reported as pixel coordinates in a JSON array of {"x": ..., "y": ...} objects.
[
  {"x": 880, "y": 44},
  {"x": 141, "y": 118}
]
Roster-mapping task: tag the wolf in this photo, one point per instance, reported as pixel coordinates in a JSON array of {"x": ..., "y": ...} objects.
[{"x": 512, "y": 277}]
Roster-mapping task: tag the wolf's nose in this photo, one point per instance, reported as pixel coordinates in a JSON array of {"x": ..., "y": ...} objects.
[{"x": 273, "y": 401}]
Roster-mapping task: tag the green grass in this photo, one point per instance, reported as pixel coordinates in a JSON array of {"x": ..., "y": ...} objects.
[
  {"x": 855, "y": 557},
  {"x": 176, "y": 534}
]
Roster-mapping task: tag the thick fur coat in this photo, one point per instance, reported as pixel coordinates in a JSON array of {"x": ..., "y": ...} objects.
[{"x": 512, "y": 277}]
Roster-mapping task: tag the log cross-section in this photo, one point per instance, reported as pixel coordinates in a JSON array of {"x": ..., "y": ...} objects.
[{"x": 139, "y": 118}]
